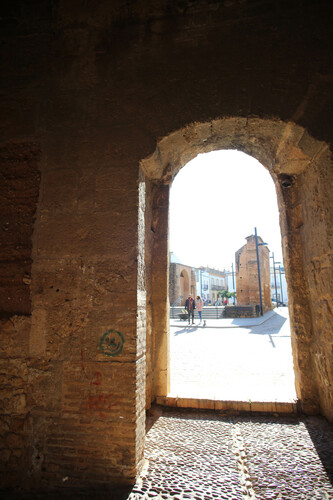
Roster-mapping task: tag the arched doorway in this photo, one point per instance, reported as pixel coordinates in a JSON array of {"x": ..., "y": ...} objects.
[
  {"x": 184, "y": 283},
  {"x": 293, "y": 159},
  {"x": 227, "y": 192}
]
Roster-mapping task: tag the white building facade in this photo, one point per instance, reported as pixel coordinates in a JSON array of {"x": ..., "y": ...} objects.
[
  {"x": 209, "y": 283},
  {"x": 202, "y": 283},
  {"x": 278, "y": 285}
]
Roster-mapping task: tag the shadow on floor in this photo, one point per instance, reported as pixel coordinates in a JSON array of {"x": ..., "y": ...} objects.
[
  {"x": 321, "y": 434},
  {"x": 92, "y": 493},
  {"x": 186, "y": 329},
  {"x": 275, "y": 324}
]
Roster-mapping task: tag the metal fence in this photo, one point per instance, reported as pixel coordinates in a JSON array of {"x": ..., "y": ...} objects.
[{"x": 208, "y": 312}]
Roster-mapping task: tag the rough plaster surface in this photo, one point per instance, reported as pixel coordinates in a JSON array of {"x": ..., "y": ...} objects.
[{"x": 90, "y": 95}]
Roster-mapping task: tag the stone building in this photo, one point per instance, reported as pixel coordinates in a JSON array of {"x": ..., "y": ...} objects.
[
  {"x": 247, "y": 279},
  {"x": 181, "y": 283},
  {"x": 102, "y": 103}
]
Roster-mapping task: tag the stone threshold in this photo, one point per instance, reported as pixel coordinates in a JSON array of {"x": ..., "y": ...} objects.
[{"x": 229, "y": 406}]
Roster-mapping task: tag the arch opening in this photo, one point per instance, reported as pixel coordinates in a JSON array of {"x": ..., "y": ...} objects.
[
  {"x": 216, "y": 200},
  {"x": 299, "y": 166}
]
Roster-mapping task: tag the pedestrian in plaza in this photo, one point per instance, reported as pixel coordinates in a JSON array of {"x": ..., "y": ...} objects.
[
  {"x": 199, "y": 307},
  {"x": 190, "y": 306}
]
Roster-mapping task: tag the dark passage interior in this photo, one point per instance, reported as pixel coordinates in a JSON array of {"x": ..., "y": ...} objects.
[{"x": 102, "y": 103}]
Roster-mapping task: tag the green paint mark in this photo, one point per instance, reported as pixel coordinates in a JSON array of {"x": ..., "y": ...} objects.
[{"x": 111, "y": 343}]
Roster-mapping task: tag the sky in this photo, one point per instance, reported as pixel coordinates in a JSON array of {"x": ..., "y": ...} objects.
[{"x": 216, "y": 200}]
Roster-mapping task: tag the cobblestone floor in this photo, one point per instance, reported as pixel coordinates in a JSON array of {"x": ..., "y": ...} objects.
[
  {"x": 204, "y": 456},
  {"x": 201, "y": 455}
]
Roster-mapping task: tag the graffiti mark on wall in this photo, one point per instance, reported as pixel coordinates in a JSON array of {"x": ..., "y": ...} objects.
[
  {"x": 102, "y": 403},
  {"x": 96, "y": 379},
  {"x": 111, "y": 343},
  {"x": 99, "y": 401}
]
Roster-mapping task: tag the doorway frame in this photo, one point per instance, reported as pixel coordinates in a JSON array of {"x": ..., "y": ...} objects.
[{"x": 289, "y": 154}]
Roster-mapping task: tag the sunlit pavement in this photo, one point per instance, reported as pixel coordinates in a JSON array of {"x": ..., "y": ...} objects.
[{"x": 252, "y": 363}]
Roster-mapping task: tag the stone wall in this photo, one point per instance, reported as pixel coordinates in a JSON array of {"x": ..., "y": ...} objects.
[
  {"x": 87, "y": 341},
  {"x": 19, "y": 188},
  {"x": 241, "y": 311},
  {"x": 181, "y": 283},
  {"x": 318, "y": 258},
  {"x": 304, "y": 231},
  {"x": 101, "y": 104}
]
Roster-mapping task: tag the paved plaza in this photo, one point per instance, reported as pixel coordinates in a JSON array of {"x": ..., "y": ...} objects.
[{"x": 242, "y": 359}]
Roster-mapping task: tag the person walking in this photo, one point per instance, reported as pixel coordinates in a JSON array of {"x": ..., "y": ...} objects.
[
  {"x": 199, "y": 307},
  {"x": 190, "y": 306}
]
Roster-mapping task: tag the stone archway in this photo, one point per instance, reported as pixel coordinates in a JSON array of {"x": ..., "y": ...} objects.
[{"x": 299, "y": 166}]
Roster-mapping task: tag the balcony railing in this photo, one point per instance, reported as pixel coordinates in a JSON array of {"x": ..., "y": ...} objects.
[{"x": 218, "y": 287}]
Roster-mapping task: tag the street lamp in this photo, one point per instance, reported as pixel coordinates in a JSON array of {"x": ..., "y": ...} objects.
[
  {"x": 233, "y": 282},
  {"x": 258, "y": 264},
  {"x": 277, "y": 304},
  {"x": 280, "y": 281}
]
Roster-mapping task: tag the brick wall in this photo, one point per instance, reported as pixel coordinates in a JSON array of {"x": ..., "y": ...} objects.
[
  {"x": 241, "y": 311},
  {"x": 247, "y": 282}
]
